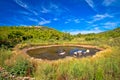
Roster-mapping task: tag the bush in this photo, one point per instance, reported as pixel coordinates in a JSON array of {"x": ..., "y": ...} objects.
[
  {"x": 90, "y": 38},
  {"x": 21, "y": 67}
]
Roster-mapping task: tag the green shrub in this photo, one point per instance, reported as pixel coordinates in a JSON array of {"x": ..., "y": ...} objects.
[{"x": 21, "y": 67}]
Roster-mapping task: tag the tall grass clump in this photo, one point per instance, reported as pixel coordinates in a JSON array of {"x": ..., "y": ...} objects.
[
  {"x": 65, "y": 70},
  {"x": 4, "y": 55},
  {"x": 45, "y": 71},
  {"x": 80, "y": 70},
  {"x": 107, "y": 67}
]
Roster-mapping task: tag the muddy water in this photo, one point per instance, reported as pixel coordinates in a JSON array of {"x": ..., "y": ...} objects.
[{"x": 52, "y": 53}]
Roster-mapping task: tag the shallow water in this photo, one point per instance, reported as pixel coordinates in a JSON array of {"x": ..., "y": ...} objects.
[{"x": 52, "y": 53}]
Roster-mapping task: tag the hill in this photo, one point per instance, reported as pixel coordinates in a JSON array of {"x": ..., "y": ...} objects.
[
  {"x": 111, "y": 33},
  {"x": 10, "y": 36}
]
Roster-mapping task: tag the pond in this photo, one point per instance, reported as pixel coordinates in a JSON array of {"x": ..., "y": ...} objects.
[{"x": 58, "y": 52}]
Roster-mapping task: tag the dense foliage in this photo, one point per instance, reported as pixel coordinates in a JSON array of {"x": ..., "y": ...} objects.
[{"x": 10, "y": 36}]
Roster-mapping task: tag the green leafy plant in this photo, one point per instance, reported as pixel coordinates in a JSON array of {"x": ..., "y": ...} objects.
[{"x": 22, "y": 67}]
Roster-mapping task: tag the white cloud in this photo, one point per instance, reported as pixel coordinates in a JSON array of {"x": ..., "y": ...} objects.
[
  {"x": 94, "y": 30},
  {"x": 108, "y": 2},
  {"x": 55, "y": 19},
  {"x": 99, "y": 17},
  {"x": 110, "y": 25},
  {"x": 91, "y": 4},
  {"x": 24, "y": 5},
  {"x": 68, "y": 20},
  {"x": 32, "y": 19},
  {"x": 77, "y": 21},
  {"x": 53, "y": 8},
  {"x": 45, "y": 10},
  {"x": 24, "y": 25},
  {"x": 44, "y": 21},
  {"x": 84, "y": 31}
]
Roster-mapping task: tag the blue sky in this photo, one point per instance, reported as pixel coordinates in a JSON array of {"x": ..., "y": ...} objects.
[{"x": 74, "y": 16}]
